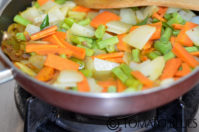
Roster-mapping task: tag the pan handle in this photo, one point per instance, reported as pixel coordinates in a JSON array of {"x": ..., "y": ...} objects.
[{"x": 5, "y": 76}]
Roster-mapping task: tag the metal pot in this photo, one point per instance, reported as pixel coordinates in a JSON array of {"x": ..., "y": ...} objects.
[{"x": 90, "y": 103}]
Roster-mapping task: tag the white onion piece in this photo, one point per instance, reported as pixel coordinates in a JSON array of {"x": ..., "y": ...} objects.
[
  {"x": 187, "y": 15},
  {"x": 69, "y": 4},
  {"x": 64, "y": 85},
  {"x": 103, "y": 65},
  {"x": 140, "y": 36},
  {"x": 39, "y": 19},
  {"x": 128, "y": 16},
  {"x": 55, "y": 15},
  {"x": 79, "y": 30},
  {"x": 195, "y": 20},
  {"x": 94, "y": 87},
  {"x": 167, "y": 81},
  {"x": 69, "y": 76},
  {"x": 150, "y": 10},
  {"x": 31, "y": 13},
  {"x": 31, "y": 29},
  {"x": 107, "y": 36},
  {"x": 48, "y": 5},
  {"x": 172, "y": 10},
  {"x": 194, "y": 35},
  {"x": 64, "y": 10},
  {"x": 118, "y": 27},
  {"x": 140, "y": 15}
]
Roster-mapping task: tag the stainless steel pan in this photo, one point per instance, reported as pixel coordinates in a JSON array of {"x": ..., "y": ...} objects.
[{"x": 90, "y": 103}]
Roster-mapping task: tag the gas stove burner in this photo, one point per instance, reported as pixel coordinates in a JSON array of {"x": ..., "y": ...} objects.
[{"x": 42, "y": 117}]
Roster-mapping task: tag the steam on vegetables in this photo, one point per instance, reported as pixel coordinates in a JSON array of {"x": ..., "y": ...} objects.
[{"x": 112, "y": 50}]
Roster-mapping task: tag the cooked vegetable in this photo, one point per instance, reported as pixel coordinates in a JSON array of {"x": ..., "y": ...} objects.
[
  {"x": 118, "y": 27},
  {"x": 45, "y": 23},
  {"x": 128, "y": 16},
  {"x": 136, "y": 55},
  {"x": 193, "y": 35},
  {"x": 45, "y": 74},
  {"x": 19, "y": 19}
]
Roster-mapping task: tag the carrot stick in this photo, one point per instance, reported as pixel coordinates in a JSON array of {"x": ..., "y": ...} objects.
[
  {"x": 195, "y": 53},
  {"x": 42, "y": 2},
  {"x": 83, "y": 86},
  {"x": 46, "y": 32},
  {"x": 182, "y": 37},
  {"x": 162, "y": 11},
  {"x": 81, "y": 9},
  {"x": 57, "y": 41},
  {"x": 45, "y": 74},
  {"x": 181, "y": 52},
  {"x": 144, "y": 80},
  {"x": 157, "y": 16},
  {"x": 104, "y": 18},
  {"x": 31, "y": 47},
  {"x": 122, "y": 46},
  {"x": 51, "y": 50},
  {"x": 171, "y": 68},
  {"x": 178, "y": 26},
  {"x": 148, "y": 45},
  {"x": 61, "y": 34},
  {"x": 157, "y": 33},
  {"x": 185, "y": 70},
  {"x": 143, "y": 58},
  {"x": 117, "y": 60},
  {"x": 59, "y": 63},
  {"x": 110, "y": 55},
  {"x": 106, "y": 84},
  {"x": 120, "y": 86}
]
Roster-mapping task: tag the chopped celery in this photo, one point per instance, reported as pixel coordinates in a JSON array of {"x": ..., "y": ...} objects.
[
  {"x": 169, "y": 55},
  {"x": 163, "y": 47},
  {"x": 36, "y": 4},
  {"x": 63, "y": 56},
  {"x": 191, "y": 49},
  {"x": 65, "y": 26},
  {"x": 155, "y": 20},
  {"x": 76, "y": 15},
  {"x": 176, "y": 32},
  {"x": 168, "y": 16},
  {"x": 60, "y": 1},
  {"x": 21, "y": 36},
  {"x": 110, "y": 41},
  {"x": 99, "y": 33},
  {"x": 69, "y": 21},
  {"x": 45, "y": 23},
  {"x": 144, "y": 22},
  {"x": 26, "y": 69},
  {"x": 153, "y": 55},
  {"x": 112, "y": 89},
  {"x": 166, "y": 35},
  {"x": 110, "y": 48},
  {"x": 136, "y": 55},
  {"x": 176, "y": 19},
  {"x": 89, "y": 52},
  {"x": 131, "y": 82},
  {"x": 120, "y": 74},
  {"x": 81, "y": 63},
  {"x": 126, "y": 69},
  {"x": 87, "y": 72},
  {"x": 82, "y": 40},
  {"x": 84, "y": 22},
  {"x": 19, "y": 19},
  {"x": 128, "y": 90}
]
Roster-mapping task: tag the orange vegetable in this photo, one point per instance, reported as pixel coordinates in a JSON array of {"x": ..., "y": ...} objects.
[
  {"x": 33, "y": 47},
  {"x": 171, "y": 68},
  {"x": 59, "y": 63},
  {"x": 57, "y": 41},
  {"x": 195, "y": 53},
  {"x": 181, "y": 52},
  {"x": 143, "y": 58},
  {"x": 182, "y": 37},
  {"x": 185, "y": 70},
  {"x": 106, "y": 84},
  {"x": 44, "y": 33},
  {"x": 83, "y": 86},
  {"x": 120, "y": 86},
  {"x": 162, "y": 11},
  {"x": 157, "y": 16},
  {"x": 81, "y": 9},
  {"x": 42, "y": 2},
  {"x": 45, "y": 74},
  {"x": 51, "y": 50},
  {"x": 144, "y": 80},
  {"x": 157, "y": 33},
  {"x": 133, "y": 28},
  {"x": 110, "y": 55},
  {"x": 122, "y": 46},
  {"x": 104, "y": 18},
  {"x": 148, "y": 45},
  {"x": 178, "y": 26},
  {"x": 117, "y": 60},
  {"x": 61, "y": 34}
]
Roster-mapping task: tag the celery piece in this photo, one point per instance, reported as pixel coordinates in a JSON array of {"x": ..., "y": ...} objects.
[
  {"x": 144, "y": 22},
  {"x": 191, "y": 49},
  {"x": 99, "y": 33},
  {"x": 45, "y": 23},
  {"x": 129, "y": 90},
  {"x": 110, "y": 48},
  {"x": 169, "y": 55},
  {"x": 153, "y": 55},
  {"x": 155, "y": 20},
  {"x": 84, "y": 22},
  {"x": 136, "y": 55},
  {"x": 110, "y": 41},
  {"x": 131, "y": 82},
  {"x": 168, "y": 16},
  {"x": 60, "y": 1},
  {"x": 176, "y": 19},
  {"x": 126, "y": 69},
  {"x": 89, "y": 52},
  {"x": 74, "y": 88},
  {"x": 112, "y": 89},
  {"x": 63, "y": 56},
  {"x": 87, "y": 73},
  {"x": 65, "y": 26},
  {"x": 120, "y": 74},
  {"x": 176, "y": 32},
  {"x": 82, "y": 40},
  {"x": 36, "y": 4},
  {"x": 76, "y": 15},
  {"x": 166, "y": 35},
  {"x": 21, "y": 36},
  {"x": 25, "y": 69},
  {"x": 69, "y": 21},
  {"x": 80, "y": 62},
  {"x": 163, "y": 47},
  {"x": 19, "y": 19}
]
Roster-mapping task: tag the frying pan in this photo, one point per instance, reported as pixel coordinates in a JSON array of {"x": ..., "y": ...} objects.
[{"x": 99, "y": 104}]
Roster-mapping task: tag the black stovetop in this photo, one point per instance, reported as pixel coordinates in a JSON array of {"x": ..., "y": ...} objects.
[{"x": 42, "y": 117}]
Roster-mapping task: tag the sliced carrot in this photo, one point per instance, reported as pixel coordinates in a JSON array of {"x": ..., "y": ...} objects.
[
  {"x": 45, "y": 74},
  {"x": 83, "y": 86},
  {"x": 145, "y": 88},
  {"x": 117, "y": 60},
  {"x": 157, "y": 16},
  {"x": 171, "y": 68},
  {"x": 157, "y": 33},
  {"x": 143, "y": 58},
  {"x": 104, "y": 18},
  {"x": 44, "y": 33},
  {"x": 185, "y": 70},
  {"x": 178, "y": 26},
  {"x": 32, "y": 47},
  {"x": 59, "y": 63},
  {"x": 181, "y": 52},
  {"x": 51, "y": 50},
  {"x": 182, "y": 37},
  {"x": 106, "y": 84},
  {"x": 110, "y": 55},
  {"x": 120, "y": 86},
  {"x": 148, "y": 45},
  {"x": 42, "y": 2},
  {"x": 133, "y": 28},
  {"x": 162, "y": 11},
  {"x": 122, "y": 46},
  {"x": 81, "y": 9},
  {"x": 195, "y": 53},
  {"x": 61, "y": 34}
]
